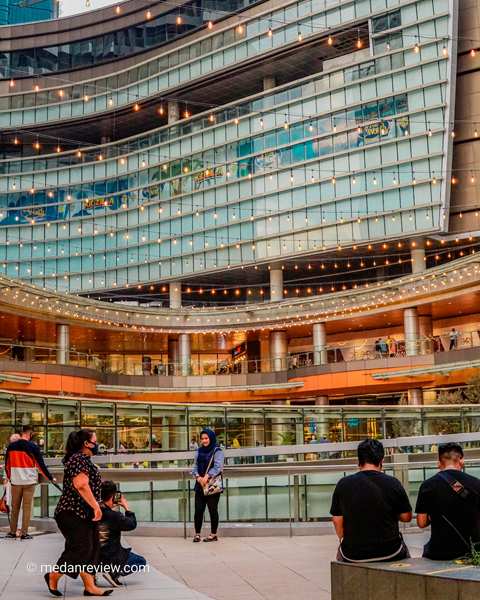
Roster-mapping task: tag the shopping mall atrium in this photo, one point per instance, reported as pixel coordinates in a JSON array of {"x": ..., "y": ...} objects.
[{"x": 241, "y": 202}]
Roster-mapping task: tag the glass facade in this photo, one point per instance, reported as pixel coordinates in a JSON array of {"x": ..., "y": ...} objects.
[
  {"x": 351, "y": 154},
  {"x": 141, "y": 427}
]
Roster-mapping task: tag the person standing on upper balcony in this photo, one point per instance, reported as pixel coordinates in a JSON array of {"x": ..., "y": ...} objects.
[
  {"x": 453, "y": 339},
  {"x": 449, "y": 502},
  {"x": 207, "y": 468}
]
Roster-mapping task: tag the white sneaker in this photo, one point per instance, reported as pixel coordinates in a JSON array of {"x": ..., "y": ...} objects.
[{"x": 110, "y": 579}]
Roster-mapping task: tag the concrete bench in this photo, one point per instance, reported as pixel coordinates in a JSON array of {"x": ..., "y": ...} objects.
[{"x": 411, "y": 579}]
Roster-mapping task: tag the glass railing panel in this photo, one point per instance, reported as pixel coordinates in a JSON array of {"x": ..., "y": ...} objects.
[
  {"x": 318, "y": 494},
  {"x": 277, "y": 497},
  {"x": 247, "y": 499}
]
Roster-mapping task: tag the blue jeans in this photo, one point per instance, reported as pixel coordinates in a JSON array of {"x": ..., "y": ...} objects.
[{"x": 135, "y": 561}]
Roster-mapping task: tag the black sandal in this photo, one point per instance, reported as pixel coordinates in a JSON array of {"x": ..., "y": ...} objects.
[
  {"x": 196, "y": 538},
  {"x": 211, "y": 539}
]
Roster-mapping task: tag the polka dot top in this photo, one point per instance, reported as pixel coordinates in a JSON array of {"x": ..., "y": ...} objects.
[{"x": 70, "y": 498}]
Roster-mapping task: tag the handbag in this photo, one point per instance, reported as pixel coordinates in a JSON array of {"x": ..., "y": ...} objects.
[
  {"x": 214, "y": 485},
  {"x": 3, "y": 504}
]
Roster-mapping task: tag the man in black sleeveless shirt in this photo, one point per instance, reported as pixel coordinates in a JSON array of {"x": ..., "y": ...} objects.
[
  {"x": 366, "y": 509},
  {"x": 450, "y": 502}
]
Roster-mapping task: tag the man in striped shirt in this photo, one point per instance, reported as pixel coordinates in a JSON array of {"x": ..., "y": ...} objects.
[{"x": 22, "y": 460}]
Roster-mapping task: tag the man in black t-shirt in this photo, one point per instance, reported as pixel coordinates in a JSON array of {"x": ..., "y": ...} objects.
[
  {"x": 449, "y": 501},
  {"x": 366, "y": 508}
]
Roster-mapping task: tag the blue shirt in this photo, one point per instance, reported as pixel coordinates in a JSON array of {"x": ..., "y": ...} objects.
[{"x": 216, "y": 467}]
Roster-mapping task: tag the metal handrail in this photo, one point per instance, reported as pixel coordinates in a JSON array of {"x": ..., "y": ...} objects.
[{"x": 294, "y": 360}]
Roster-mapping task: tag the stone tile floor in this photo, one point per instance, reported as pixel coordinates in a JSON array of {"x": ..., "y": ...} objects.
[{"x": 234, "y": 568}]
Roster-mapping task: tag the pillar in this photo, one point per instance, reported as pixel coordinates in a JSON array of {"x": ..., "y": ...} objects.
[
  {"x": 173, "y": 112},
  {"x": 269, "y": 82},
  {"x": 185, "y": 359},
  {"x": 415, "y": 397},
  {"x": 276, "y": 282},
  {"x": 411, "y": 329},
  {"x": 418, "y": 258},
  {"x": 319, "y": 344},
  {"x": 63, "y": 344},
  {"x": 323, "y": 422},
  {"x": 278, "y": 350},
  {"x": 173, "y": 357},
  {"x": 175, "y": 294},
  {"x": 425, "y": 329}
]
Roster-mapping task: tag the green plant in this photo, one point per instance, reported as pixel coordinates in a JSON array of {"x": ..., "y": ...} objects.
[
  {"x": 473, "y": 555},
  {"x": 287, "y": 438}
]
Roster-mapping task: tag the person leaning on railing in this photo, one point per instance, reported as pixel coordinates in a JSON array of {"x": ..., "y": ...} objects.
[{"x": 208, "y": 466}]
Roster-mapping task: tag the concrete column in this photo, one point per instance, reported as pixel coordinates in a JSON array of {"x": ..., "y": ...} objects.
[
  {"x": 278, "y": 350},
  {"x": 321, "y": 401},
  {"x": 418, "y": 258},
  {"x": 265, "y": 355},
  {"x": 63, "y": 344},
  {"x": 173, "y": 112},
  {"x": 425, "y": 329},
  {"x": 415, "y": 397},
  {"x": 269, "y": 82},
  {"x": 319, "y": 344},
  {"x": 175, "y": 294},
  {"x": 276, "y": 282},
  {"x": 185, "y": 353},
  {"x": 173, "y": 357},
  {"x": 411, "y": 329}
]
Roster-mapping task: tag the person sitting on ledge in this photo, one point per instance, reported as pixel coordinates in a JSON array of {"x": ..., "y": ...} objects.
[
  {"x": 450, "y": 502},
  {"x": 366, "y": 509}
]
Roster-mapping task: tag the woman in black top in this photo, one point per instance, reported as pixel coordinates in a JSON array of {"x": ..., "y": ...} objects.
[{"x": 77, "y": 514}]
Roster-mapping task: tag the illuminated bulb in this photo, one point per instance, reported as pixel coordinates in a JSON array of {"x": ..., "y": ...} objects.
[
  {"x": 285, "y": 125},
  {"x": 50, "y": 194},
  {"x": 236, "y": 120},
  {"x": 215, "y": 215},
  {"x": 313, "y": 178},
  {"x": 406, "y": 131},
  {"x": 291, "y": 177},
  {"x": 453, "y": 134},
  {"x": 100, "y": 157},
  {"x": 165, "y": 167},
  {"x": 270, "y": 32},
  {"x": 118, "y": 10},
  {"x": 228, "y": 173},
  {"x": 330, "y": 40},
  {"x": 476, "y": 133},
  {"x": 58, "y": 149},
  {"x": 148, "y": 15},
  {"x": 416, "y": 48},
  {"x": 460, "y": 215},
  {"x": 472, "y": 52},
  {"x": 334, "y": 180},
  {"x": 374, "y": 181},
  {"x": 434, "y": 180},
  {"x": 86, "y": 97},
  {"x": 288, "y": 218},
  {"x": 187, "y": 114},
  {"x": 394, "y": 181},
  {"x": 136, "y": 107},
  {"x": 122, "y": 161},
  {"x": 79, "y": 154},
  {"x": 359, "y": 130},
  {"x": 32, "y": 191},
  {"x": 87, "y": 3},
  {"x": 15, "y": 141},
  {"x": 179, "y": 20},
  {"x": 212, "y": 117},
  {"x": 261, "y": 122},
  {"x": 37, "y": 145},
  {"x": 240, "y": 28},
  {"x": 454, "y": 181},
  {"x": 429, "y": 132},
  {"x": 359, "y": 43},
  {"x": 444, "y": 51},
  {"x": 414, "y": 181},
  {"x": 14, "y": 186},
  {"x": 144, "y": 163},
  {"x": 110, "y": 102},
  {"x": 12, "y": 83},
  {"x": 388, "y": 46},
  {"x": 354, "y": 181},
  {"x": 472, "y": 178},
  {"x": 334, "y": 128},
  {"x": 310, "y": 127},
  {"x": 299, "y": 37},
  {"x": 210, "y": 24},
  {"x": 234, "y": 217},
  {"x": 271, "y": 177},
  {"x": 37, "y": 88},
  {"x": 69, "y": 197}
]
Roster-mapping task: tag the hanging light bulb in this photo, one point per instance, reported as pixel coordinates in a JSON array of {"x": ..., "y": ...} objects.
[
  {"x": 310, "y": 127},
  {"x": 444, "y": 51},
  {"x": 118, "y": 10},
  {"x": 136, "y": 106},
  {"x": 475, "y": 134},
  {"x": 15, "y": 141},
  {"x": 416, "y": 48},
  {"x": 261, "y": 121},
  {"x": 429, "y": 132},
  {"x": 58, "y": 149},
  {"x": 414, "y": 181},
  {"x": 359, "y": 43},
  {"x": 354, "y": 181},
  {"x": 187, "y": 114},
  {"x": 299, "y": 37},
  {"x": 87, "y": 3},
  {"x": 313, "y": 178},
  {"x": 270, "y": 32},
  {"x": 472, "y": 178},
  {"x": 472, "y": 51},
  {"x": 434, "y": 180},
  {"x": 12, "y": 83},
  {"x": 388, "y": 46},
  {"x": 210, "y": 24},
  {"x": 359, "y": 130},
  {"x": 228, "y": 173},
  {"x": 236, "y": 120},
  {"x": 144, "y": 164},
  {"x": 240, "y": 28},
  {"x": 37, "y": 145},
  {"x": 454, "y": 181},
  {"x": 453, "y": 134},
  {"x": 330, "y": 40},
  {"x": 334, "y": 128},
  {"x": 86, "y": 98},
  {"x": 211, "y": 117},
  {"x": 100, "y": 157},
  {"x": 79, "y": 154},
  {"x": 37, "y": 87},
  {"x": 285, "y": 125},
  {"x": 291, "y": 176},
  {"x": 14, "y": 186},
  {"x": 374, "y": 181},
  {"x": 288, "y": 218},
  {"x": 149, "y": 14},
  {"x": 334, "y": 181},
  {"x": 394, "y": 180},
  {"x": 179, "y": 20},
  {"x": 110, "y": 102}
]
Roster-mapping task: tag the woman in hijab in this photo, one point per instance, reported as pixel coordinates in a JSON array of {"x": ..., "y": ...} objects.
[{"x": 207, "y": 465}]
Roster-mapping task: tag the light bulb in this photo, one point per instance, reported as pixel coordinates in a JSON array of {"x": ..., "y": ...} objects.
[
  {"x": 374, "y": 181},
  {"x": 179, "y": 20},
  {"x": 416, "y": 48},
  {"x": 261, "y": 122},
  {"x": 472, "y": 52},
  {"x": 334, "y": 128},
  {"x": 110, "y": 102},
  {"x": 79, "y": 154},
  {"x": 148, "y": 15},
  {"x": 310, "y": 127},
  {"x": 444, "y": 51},
  {"x": 299, "y": 37},
  {"x": 359, "y": 43},
  {"x": 236, "y": 120},
  {"x": 15, "y": 141},
  {"x": 118, "y": 10},
  {"x": 37, "y": 88},
  {"x": 136, "y": 106},
  {"x": 240, "y": 28},
  {"x": 270, "y": 32},
  {"x": 12, "y": 83},
  {"x": 86, "y": 98},
  {"x": 475, "y": 133},
  {"x": 388, "y": 46},
  {"x": 212, "y": 117},
  {"x": 334, "y": 180},
  {"x": 210, "y": 24},
  {"x": 330, "y": 40}
]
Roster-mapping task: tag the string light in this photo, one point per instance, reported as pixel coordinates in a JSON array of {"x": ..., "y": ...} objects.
[
  {"x": 354, "y": 181},
  {"x": 37, "y": 145},
  {"x": 240, "y": 28},
  {"x": 212, "y": 117}
]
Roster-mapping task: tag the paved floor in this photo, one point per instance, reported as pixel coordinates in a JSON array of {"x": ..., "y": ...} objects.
[{"x": 250, "y": 568}]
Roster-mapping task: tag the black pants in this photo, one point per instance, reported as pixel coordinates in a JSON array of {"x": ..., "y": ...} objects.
[
  {"x": 201, "y": 502},
  {"x": 81, "y": 544}
]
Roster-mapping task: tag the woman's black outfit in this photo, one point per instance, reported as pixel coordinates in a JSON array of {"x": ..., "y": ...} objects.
[
  {"x": 74, "y": 519},
  {"x": 207, "y": 456}
]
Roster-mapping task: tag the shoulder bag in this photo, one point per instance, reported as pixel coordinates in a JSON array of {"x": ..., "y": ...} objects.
[
  {"x": 215, "y": 484},
  {"x": 3, "y": 504},
  {"x": 470, "y": 497}
]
